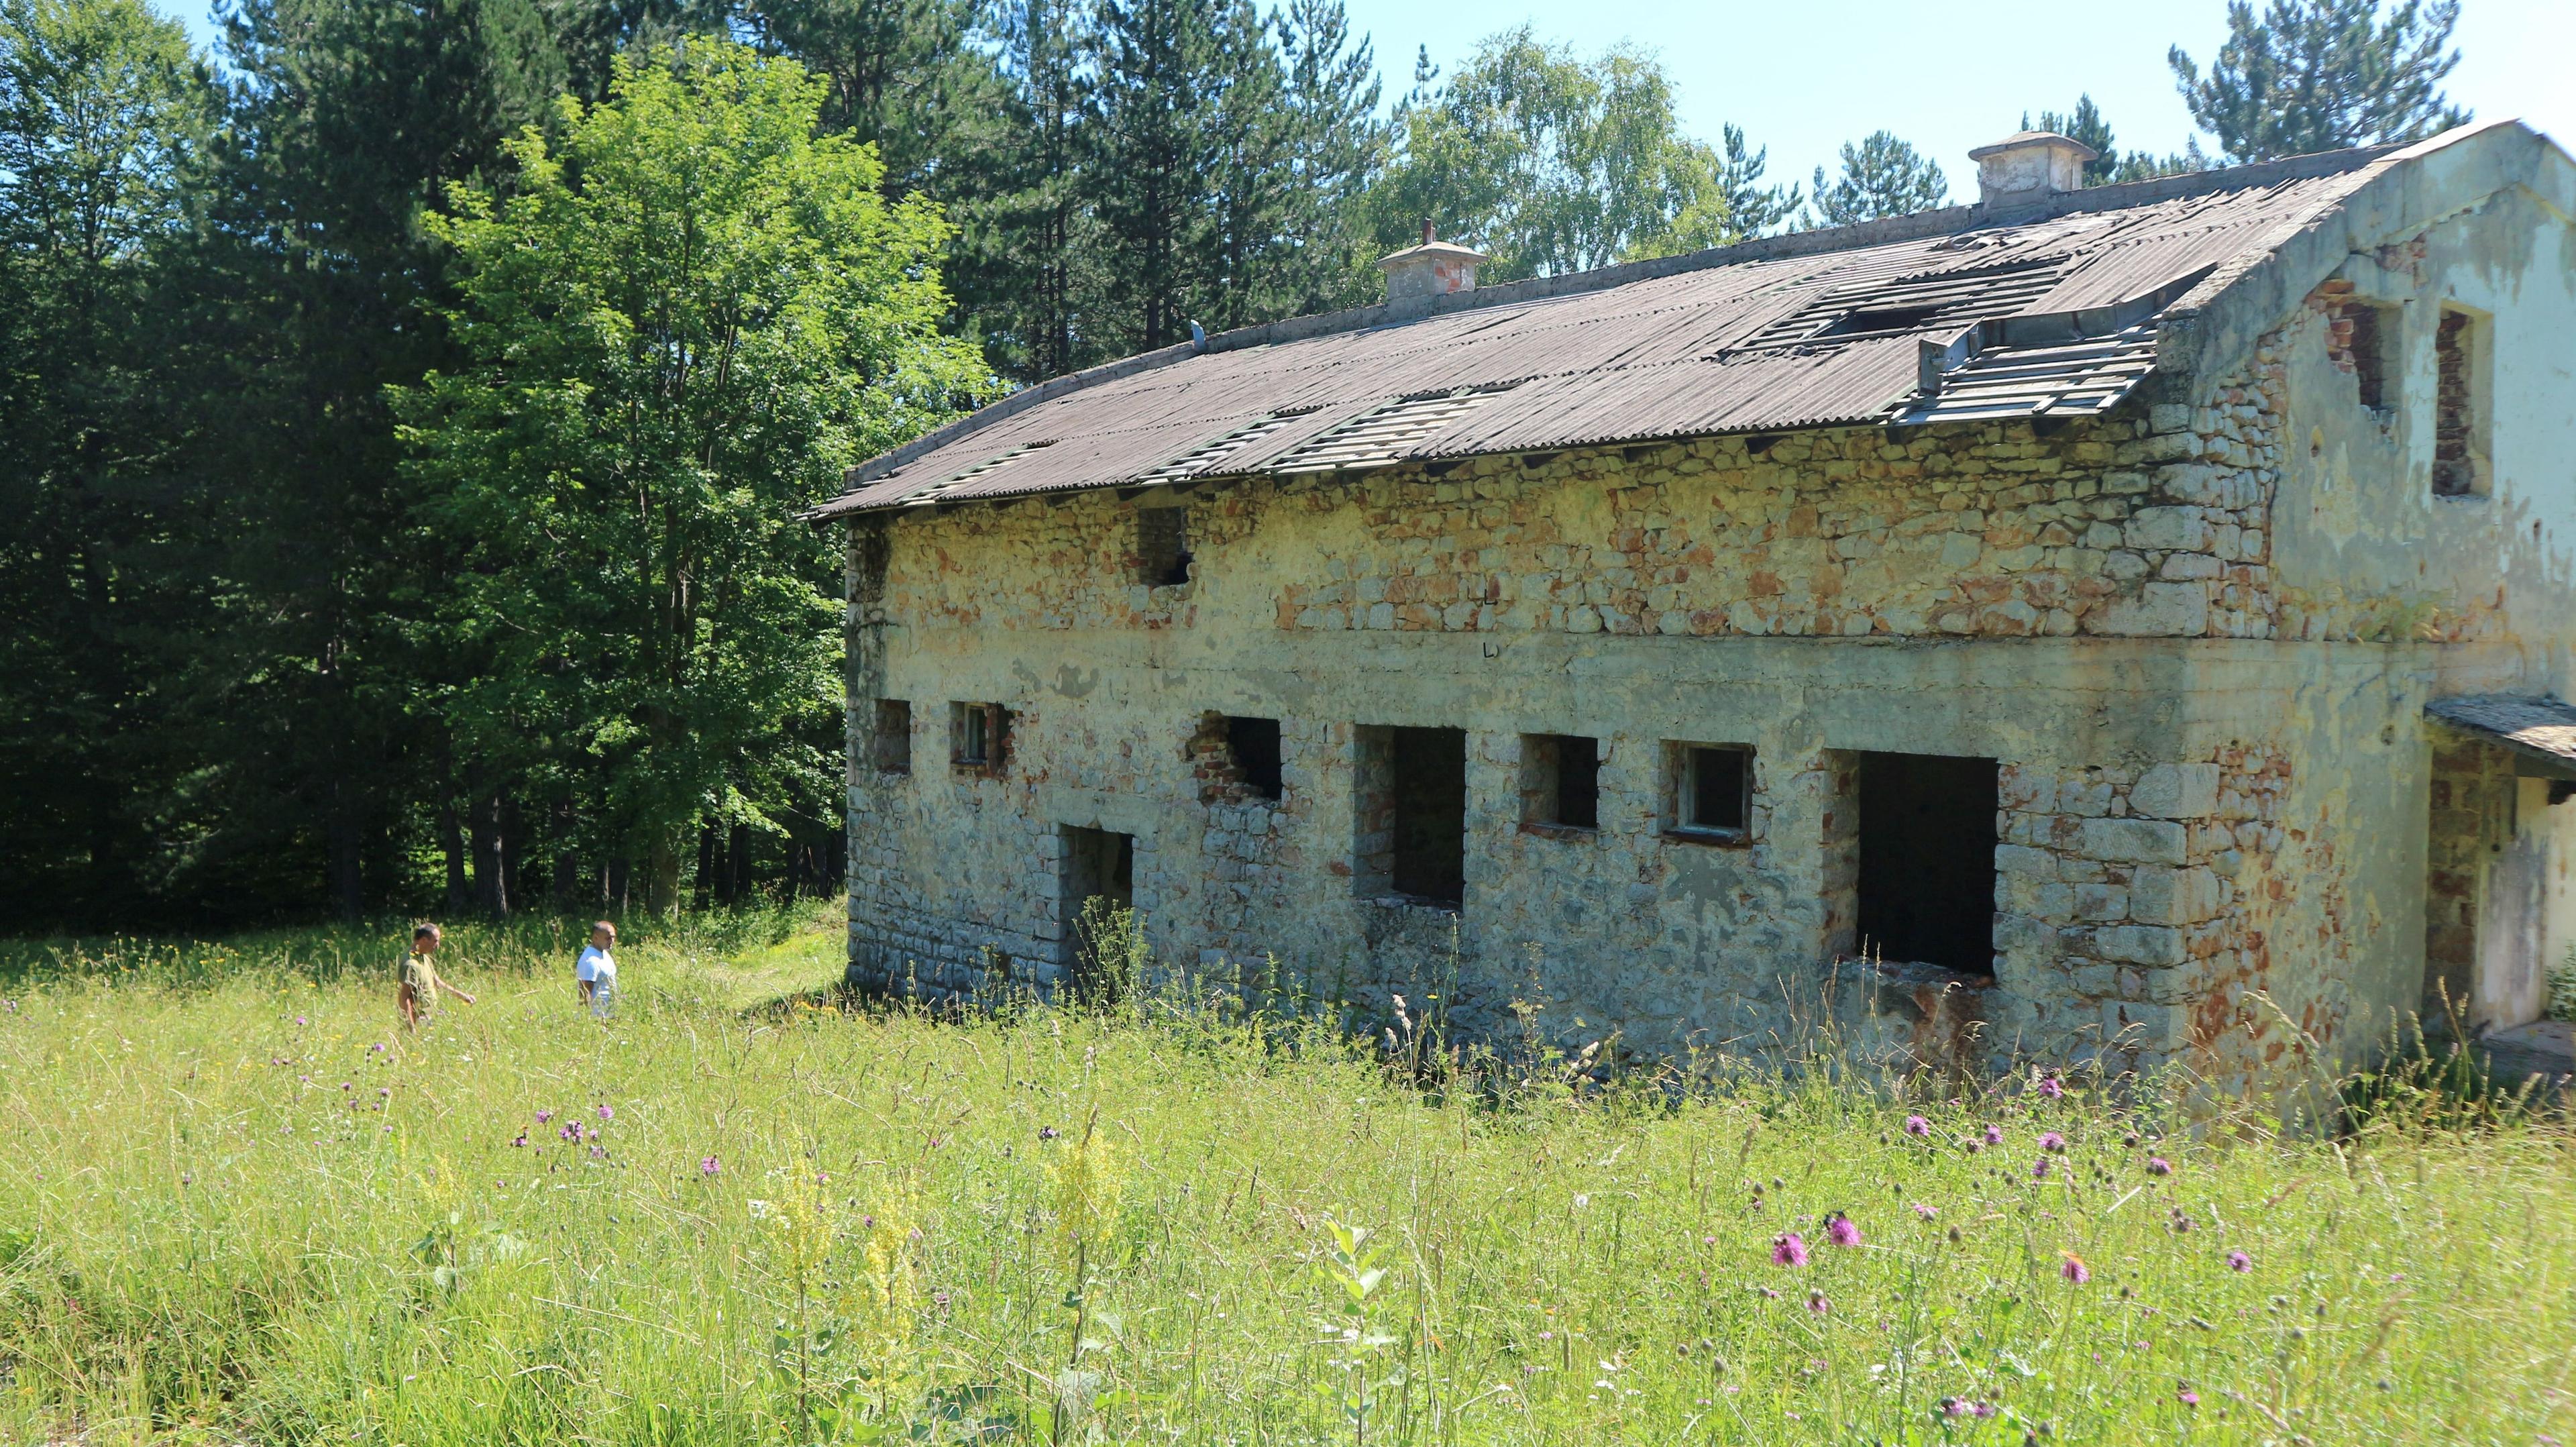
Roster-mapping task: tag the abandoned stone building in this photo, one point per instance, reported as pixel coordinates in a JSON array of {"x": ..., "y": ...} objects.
[{"x": 2127, "y": 623}]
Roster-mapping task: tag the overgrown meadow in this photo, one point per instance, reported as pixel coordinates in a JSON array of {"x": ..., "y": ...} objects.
[{"x": 238, "y": 1204}]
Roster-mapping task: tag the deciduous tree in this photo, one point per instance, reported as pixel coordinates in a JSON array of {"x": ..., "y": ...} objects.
[{"x": 684, "y": 319}]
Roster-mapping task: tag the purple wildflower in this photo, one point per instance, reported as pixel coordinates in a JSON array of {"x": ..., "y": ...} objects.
[
  {"x": 709, "y": 1166},
  {"x": 1994, "y": 1135},
  {"x": 607, "y": 1114},
  {"x": 2051, "y": 1141},
  {"x": 1789, "y": 1250},
  {"x": 299, "y": 1019},
  {"x": 2049, "y": 1086},
  {"x": 544, "y": 1115},
  {"x": 2185, "y": 1395},
  {"x": 2074, "y": 1269},
  {"x": 1926, "y": 1212},
  {"x": 2239, "y": 1261},
  {"x": 2159, "y": 1166},
  {"x": 1840, "y": 1231},
  {"x": 1917, "y": 1127},
  {"x": 2039, "y": 1169},
  {"x": 520, "y": 1139},
  {"x": 1817, "y": 1303},
  {"x": 1047, "y": 1132}
]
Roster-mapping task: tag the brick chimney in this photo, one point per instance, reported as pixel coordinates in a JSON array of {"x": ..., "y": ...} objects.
[
  {"x": 1418, "y": 275},
  {"x": 2028, "y": 167}
]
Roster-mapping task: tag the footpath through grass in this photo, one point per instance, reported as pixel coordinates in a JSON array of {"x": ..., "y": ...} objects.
[{"x": 236, "y": 1204}]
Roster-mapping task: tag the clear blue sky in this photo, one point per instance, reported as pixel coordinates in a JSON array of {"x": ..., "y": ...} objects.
[{"x": 1803, "y": 76}]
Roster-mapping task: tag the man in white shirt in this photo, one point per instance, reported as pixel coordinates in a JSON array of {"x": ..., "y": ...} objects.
[{"x": 597, "y": 970}]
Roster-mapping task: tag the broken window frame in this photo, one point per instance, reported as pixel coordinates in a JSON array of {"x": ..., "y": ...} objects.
[
  {"x": 1163, "y": 557},
  {"x": 1262, "y": 770},
  {"x": 2463, "y": 377},
  {"x": 1545, "y": 805},
  {"x": 1686, "y": 762},
  {"x": 1380, "y": 866},
  {"x": 890, "y": 745},
  {"x": 979, "y": 738}
]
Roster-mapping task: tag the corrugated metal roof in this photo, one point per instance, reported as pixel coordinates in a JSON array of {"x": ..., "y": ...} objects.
[
  {"x": 2540, "y": 729},
  {"x": 2048, "y": 315}
]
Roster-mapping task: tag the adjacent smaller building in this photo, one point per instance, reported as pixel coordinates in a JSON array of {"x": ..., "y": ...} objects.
[{"x": 2126, "y": 622}]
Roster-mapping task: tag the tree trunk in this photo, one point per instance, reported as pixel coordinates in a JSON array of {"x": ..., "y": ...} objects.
[
  {"x": 483, "y": 825},
  {"x": 451, "y": 839},
  {"x": 662, "y": 875},
  {"x": 567, "y": 865},
  {"x": 612, "y": 887},
  {"x": 347, "y": 888},
  {"x": 514, "y": 844},
  {"x": 737, "y": 876},
  {"x": 702, "y": 888}
]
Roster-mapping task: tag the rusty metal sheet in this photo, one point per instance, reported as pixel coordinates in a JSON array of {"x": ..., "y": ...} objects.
[{"x": 1782, "y": 334}]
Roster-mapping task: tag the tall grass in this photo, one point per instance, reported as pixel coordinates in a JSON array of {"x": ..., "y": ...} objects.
[{"x": 238, "y": 1204}]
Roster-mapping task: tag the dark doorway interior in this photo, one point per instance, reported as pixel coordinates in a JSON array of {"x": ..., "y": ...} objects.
[
  {"x": 1429, "y": 782},
  {"x": 1099, "y": 886},
  {"x": 1927, "y": 860}
]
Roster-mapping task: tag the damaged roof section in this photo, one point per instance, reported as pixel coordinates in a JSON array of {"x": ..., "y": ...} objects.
[
  {"x": 1948, "y": 316},
  {"x": 2541, "y": 732}
]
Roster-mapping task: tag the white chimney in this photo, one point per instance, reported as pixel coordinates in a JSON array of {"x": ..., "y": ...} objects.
[
  {"x": 1418, "y": 275},
  {"x": 2028, "y": 167}
]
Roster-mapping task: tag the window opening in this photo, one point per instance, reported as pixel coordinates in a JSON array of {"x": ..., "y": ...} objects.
[
  {"x": 1254, "y": 743},
  {"x": 1412, "y": 814},
  {"x": 1561, "y": 781},
  {"x": 1882, "y": 319},
  {"x": 1162, "y": 546},
  {"x": 2460, "y": 416},
  {"x": 1713, "y": 791},
  {"x": 979, "y": 736},
  {"x": 893, "y": 741},
  {"x": 2362, "y": 334},
  {"x": 1927, "y": 860},
  {"x": 1097, "y": 893}
]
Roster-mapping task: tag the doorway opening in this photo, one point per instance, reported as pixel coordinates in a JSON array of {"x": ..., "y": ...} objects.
[{"x": 1098, "y": 902}]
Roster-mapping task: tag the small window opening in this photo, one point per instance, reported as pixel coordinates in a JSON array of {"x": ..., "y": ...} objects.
[
  {"x": 1713, "y": 790},
  {"x": 1561, "y": 781},
  {"x": 1254, "y": 743},
  {"x": 1412, "y": 814},
  {"x": 893, "y": 741},
  {"x": 1162, "y": 546},
  {"x": 1927, "y": 860},
  {"x": 979, "y": 736},
  {"x": 2460, "y": 438}
]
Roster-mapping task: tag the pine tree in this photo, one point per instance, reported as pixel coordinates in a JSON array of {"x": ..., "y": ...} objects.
[
  {"x": 104, "y": 113},
  {"x": 2110, "y": 164},
  {"x": 1334, "y": 147},
  {"x": 1752, "y": 208},
  {"x": 1881, "y": 176},
  {"x": 2323, "y": 75}
]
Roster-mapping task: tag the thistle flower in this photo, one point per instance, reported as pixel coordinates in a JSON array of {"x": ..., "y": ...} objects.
[
  {"x": 1817, "y": 1303},
  {"x": 1917, "y": 1127},
  {"x": 1788, "y": 1249},
  {"x": 2049, "y": 1086},
  {"x": 2159, "y": 1166},
  {"x": 2074, "y": 1269},
  {"x": 1926, "y": 1212},
  {"x": 2185, "y": 1395},
  {"x": 1994, "y": 1135},
  {"x": 1047, "y": 1132},
  {"x": 299, "y": 1019},
  {"x": 607, "y": 1114},
  {"x": 2051, "y": 1141},
  {"x": 1840, "y": 1231},
  {"x": 520, "y": 1139},
  {"x": 2039, "y": 1169},
  {"x": 544, "y": 1115},
  {"x": 709, "y": 1166},
  {"x": 2239, "y": 1261}
]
